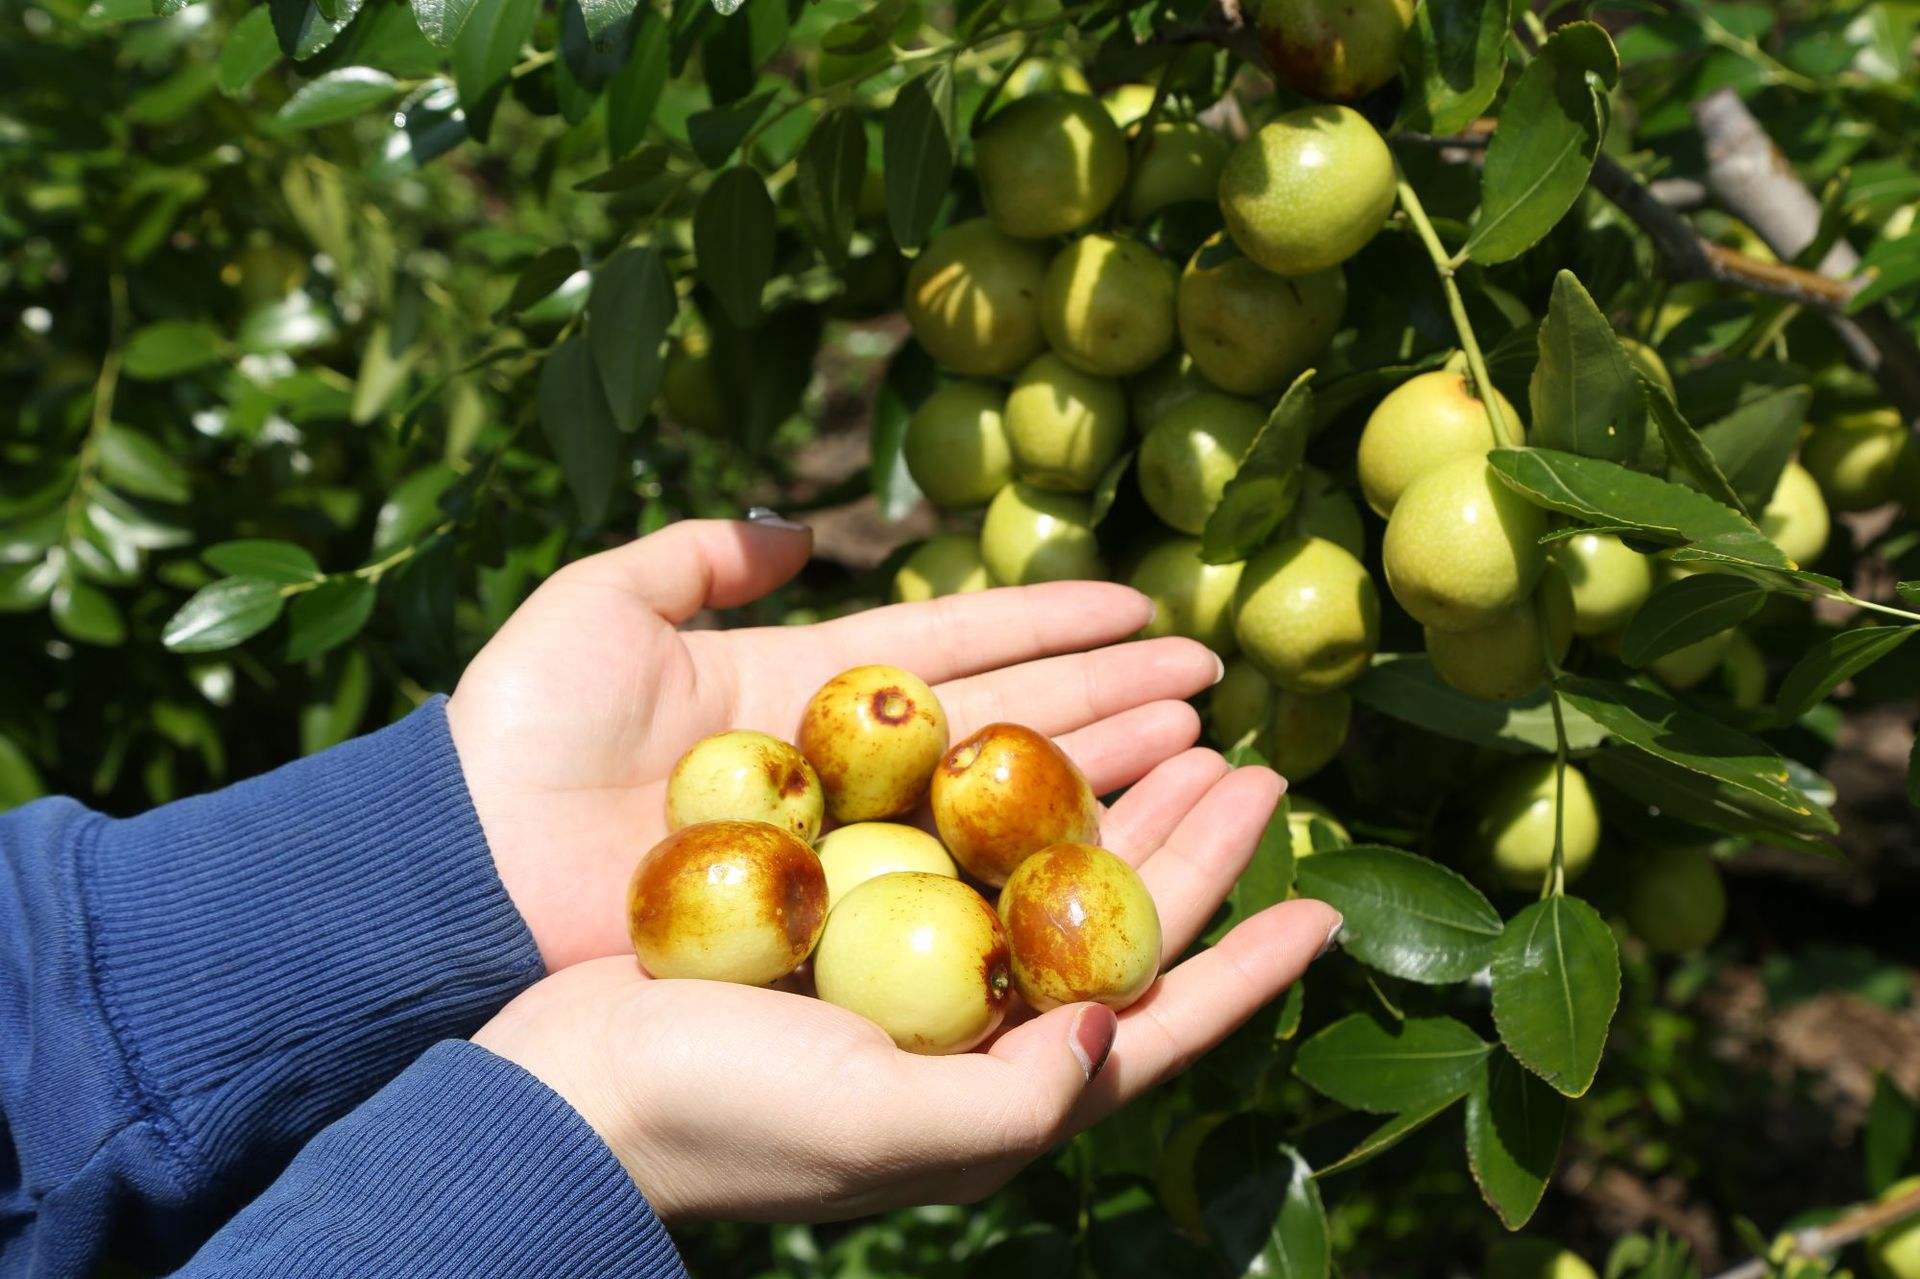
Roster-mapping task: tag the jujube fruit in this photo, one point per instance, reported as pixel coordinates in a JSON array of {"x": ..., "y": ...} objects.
[
  {"x": 1895, "y": 1250},
  {"x": 1687, "y": 666},
  {"x": 1855, "y": 456},
  {"x": 1081, "y": 927},
  {"x": 1676, "y": 901},
  {"x": 1461, "y": 547},
  {"x": 1325, "y": 510},
  {"x": 690, "y": 385},
  {"x": 1187, "y": 459},
  {"x": 973, "y": 299},
  {"x": 949, "y": 564},
  {"x": 956, "y": 446},
  {"x": 1005, "y": 793},
  {"x": 1796, "y": 516},
  {"x": 1422, "y": 423},
  {"x": 874, "y": 735},
  {"x": 1334, "y": 50},
  {"x": 1032, "y": 535},
  {"x": 1179, "y": 162},
  {"x": 1516, "y": 822},
  {"x": 1249, "y": 331},
  {"x": 1308, "y": 189},
  {"x": 1190, "y": 596},
  {"x": 726, "y": 901},
  {"x": 921, "y": 956},
  {"x": 1174, "y": 380},
  {"x": 1506, "y": 659},
  {"x": 1303, "y": 816},
  {"x": 1049, "y": 164},
  {"x": 853, "y": 854},
  {"x": 1306, "y": 730},
  {"x": 1239, "y": 704},
  {"x": 1106, "y": 305},
  {"x": 749, "y": 777},
  {"x": 1307, "y": 614},
  {"x": 1128, "y": 104},
  {"x": 1610, "y": 581},
  {"x": 1065, "y": 427}
]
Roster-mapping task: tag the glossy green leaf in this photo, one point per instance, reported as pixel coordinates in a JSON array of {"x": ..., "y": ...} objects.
[
  {"x": 1833, "y": 661},
  {"x": 628, "y": 312},
  {"x": 1585, "y": 396},
  {"x": 25, "y": 588},
  {"x": 20, "y": 781},
  {"x": 581, "y": 429},
  {"x": 733, "y": 242},
  {"x": 717, "y": 133},
  {"x": 250, "y": 51},
  {"x": 1406, "y": 687},
  {"x": 917, "y": 155},
  {"x": 1453, "y": 60},
  {"x": 1514, "y": 1126},
  {"x": 1605, "y": 493},
  {"x": 172, "y": 347},
  {"x": 1688, "y": 610},
  {"x": 383, "y": 372},
  {"x": 540, "y": 277},
  {"x": 605, "y": 18},
  {"x": 486, "y": 51},
  {"x": 1386, "y": 1067},
  {"x": 1689, "y": 456},
  {"x": 327, "y": 616},
  {"x": 832, "y": 167},
  {"x": 303, "y": 30},
  {"x": 893, "y": 485},
  {"x": 338, "y": 95},
  {"x": 441, "y": 21},
  {"x": 636, "y": 170},
  {"x": 1556, "y": 982},
  {"x": 1261, "y": 1206},
  {"x": 86, "y": 613},
  {"x": 223, "y": 614},
  {"x": 1264, "y": 489},
  {"x": 1388, "y": 1135},
  {"x": 635, "y": 89},
  {"x": 1405, "y": 915},
  {"x": 1751, "y": 414},
  {"x": 1671, "y": 793},
  {"x": 1550, "y": 131},
  {"x": 1106, "y": 491},
  {"x": 135, "y": 463},
  {"x": 258, "y": 557}
]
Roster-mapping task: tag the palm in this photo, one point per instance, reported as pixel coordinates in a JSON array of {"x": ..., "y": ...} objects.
[{"x": 571, "y": 718}]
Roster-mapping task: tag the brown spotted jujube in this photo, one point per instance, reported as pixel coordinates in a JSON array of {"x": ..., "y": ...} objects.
[
  {"x": 1082, "y": 926},
  {"x": 726, "y": 901},
  {"x": 748, "y": 777},
  {"x": 1005, "y": 793},
  {"x": 874, "y": 735}
]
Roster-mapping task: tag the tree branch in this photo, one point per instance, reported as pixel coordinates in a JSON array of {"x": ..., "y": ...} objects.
[
  {"x": 1821, "y": 1240},
  {"x": 1225, "y": 24}
]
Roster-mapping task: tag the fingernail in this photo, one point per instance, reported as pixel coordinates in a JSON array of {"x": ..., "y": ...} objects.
[
  {"x": 767, "y": 517},
  {"x": 1092, "y": 1038},
  {"x": 1219, "y": 669},
  {"x": 1333, "y": 935}
]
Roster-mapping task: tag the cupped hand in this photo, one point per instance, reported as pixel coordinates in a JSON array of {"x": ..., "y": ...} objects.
[
  {"x": 569, "y": 720},
  {"x": 740, "y": 1103}
]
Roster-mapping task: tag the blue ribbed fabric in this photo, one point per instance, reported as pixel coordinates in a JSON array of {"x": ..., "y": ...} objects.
[
  {"x": 466, "y": 1166},
  {"x": 187, "y": 997}
]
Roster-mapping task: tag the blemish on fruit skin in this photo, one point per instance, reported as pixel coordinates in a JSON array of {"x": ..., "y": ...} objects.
[{"x": 891, "y": 706}]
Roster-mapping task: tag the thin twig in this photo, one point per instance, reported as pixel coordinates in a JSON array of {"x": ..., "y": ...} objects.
[{"x": 1821, "y": 1240}]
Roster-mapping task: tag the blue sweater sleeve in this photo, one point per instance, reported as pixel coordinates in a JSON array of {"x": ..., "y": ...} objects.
[
  {"x": 464, "y": 1167},
  {"x": 188, "y": 996}
]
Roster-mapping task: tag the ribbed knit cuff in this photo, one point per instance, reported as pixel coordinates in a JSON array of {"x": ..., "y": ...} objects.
[
  {"x": 466, "y": 1165},
  {"x": 269, "y": 955}
]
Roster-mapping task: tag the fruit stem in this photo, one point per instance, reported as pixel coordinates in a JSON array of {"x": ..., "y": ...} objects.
[
  {"x": 1457, "y": 307},
  {"x": 1556, "y": 880}
]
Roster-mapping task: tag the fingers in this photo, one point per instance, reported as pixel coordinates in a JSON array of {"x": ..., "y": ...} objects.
[
  {"x": 1196, "y": 1005},
  {"x": 698, "y": 564},
  {"x": 1142, "y": 819},
  {"x": 1057, "y": 694},
  {"x": 1120, "y": 750},
  {"x": 960, "y": 635},
  {"x": 1190, "y": 874}
]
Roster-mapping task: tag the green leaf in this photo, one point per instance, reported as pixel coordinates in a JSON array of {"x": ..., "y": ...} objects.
[
  {"x": 635, "y": 89},
  {"x": 333, "y": 718},
  {"x": 628, "y": 312},
  {"x": 1550, "y": 130},
  {"x": 1605, "y": 493},
  {"x": 1688, "y": 452},
  {"x": 1386, "y": 1067},
  {"x": 172, "y": 347},
  {"x": 249, "y": 52},
  {"x": 832, "y": 167},
  {"x": 486, "y": 51},
  {"x": 383, "y": 372},
  {"x": 733, "y": 242},
  {"x": 605, "y": 17},
  {"x": 303, "y": 30},
  {"x": 1673, "y": 794},
  {"x": 541, "y": 277},
  {"x": 1832, "y": 662},
  {"x": 441, "y": 21},
  {"x": 327, "y": 616},
  {"x": 1405, "y": 915},
  {"x": 1752, "y": 413},
  {"x": 1514, "y": 1126},
  {"x": 715, "y": 134},
  {"x": 1261, "y": 1206},
  {"x": 893, "y": 485},
  {"x": 1887, "y": 1137},
  {"x": 1453, "y": 60},
  {"x": 1265, "y": 882},
  {"x": 338, "y": 95},
  {"x": 1586, "y": 398},
  {"x": 1405, "y": 687},
  {"x": 1388, "y": 1135},
  {"x": 131, "y": 461},
  {"x": 256, "y": 557},
  {"x": 25, "y": 588},
  {"x": 1556, "y": 981},
  {"x": 581, "y": 428},
  {"x": 86, "y": 613},
  {"x": 1661, "y": 726},
  {"x": 20, "y": 781},
  {"x": 1264, "y": 489},
  {"x": 638, "y": 169},
  {"x": 917, "y": 155},
  {"x": 223, "y": 614},
  {"x": 1688, "y": 610},
  {"x": 1895, "y": 268}
]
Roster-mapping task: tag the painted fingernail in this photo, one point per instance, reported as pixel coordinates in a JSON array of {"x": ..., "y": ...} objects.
[
  {"x": 767, "y": 517},
  {"x": 1091, "y": 1038},
  {"x": 1333, "y": 935}
]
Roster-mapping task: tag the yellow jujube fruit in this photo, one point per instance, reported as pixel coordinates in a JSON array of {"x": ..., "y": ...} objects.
[
  {"x": 1179, "y": 162},
  {"x": 1308, "y": 189},
  {"x": 853, "y": 854},
  {"x": 1796, "y": 517},
  {"x": 1425, "y": 421},
  {"x": 1507, "y": 659},
  {"x": 1855, "y": 456}
]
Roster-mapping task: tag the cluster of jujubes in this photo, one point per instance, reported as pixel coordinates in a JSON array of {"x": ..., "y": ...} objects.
[{"x": 746, "y": 888}]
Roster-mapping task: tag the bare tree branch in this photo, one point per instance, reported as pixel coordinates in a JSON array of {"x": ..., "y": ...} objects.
[{"x": 1821, "y": 1240}]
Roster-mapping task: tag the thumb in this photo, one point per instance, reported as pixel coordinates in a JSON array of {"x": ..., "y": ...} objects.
[
  {"x": 1059, "y": 1053},
  {"x": 698, "y": 564}
]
